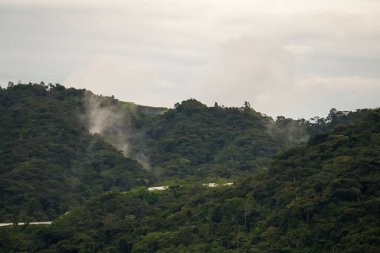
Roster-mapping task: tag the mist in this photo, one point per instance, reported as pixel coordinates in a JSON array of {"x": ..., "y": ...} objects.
[{"x": 112, "y": 120}]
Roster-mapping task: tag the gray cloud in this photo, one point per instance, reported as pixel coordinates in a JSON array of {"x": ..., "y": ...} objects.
[
  {"x": 267, "y": 52},
  {"x": 247, "y": 68}
]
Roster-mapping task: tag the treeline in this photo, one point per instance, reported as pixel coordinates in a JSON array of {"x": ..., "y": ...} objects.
[
  {"x": 195, "y": 140},
  {"x": 49, "y": 162},
  {"x": 322, "y": 196},
  {"x": 300, "y": 185}
]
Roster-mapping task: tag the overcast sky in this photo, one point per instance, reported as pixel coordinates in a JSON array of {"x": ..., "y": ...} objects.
[{"x": 297, "y": 58}]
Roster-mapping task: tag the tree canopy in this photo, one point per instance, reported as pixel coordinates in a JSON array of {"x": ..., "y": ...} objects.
[{"x": 298, "y": 185}]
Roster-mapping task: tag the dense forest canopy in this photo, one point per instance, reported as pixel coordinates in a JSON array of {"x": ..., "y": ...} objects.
[
  {"x": 85, "y": 161},
  {"x": 49, "y": 161}
]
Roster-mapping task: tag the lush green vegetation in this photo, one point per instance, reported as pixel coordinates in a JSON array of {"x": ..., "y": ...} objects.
[
  {"x": 195, "y": 140},
  {"x": 48, "y": 161},
  {"x": 300, "y": 186}
]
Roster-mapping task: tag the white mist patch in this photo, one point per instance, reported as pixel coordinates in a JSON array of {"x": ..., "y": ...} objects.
[
  {"x": 108, "y": 120},
  {"x": 106, "y": 117}
]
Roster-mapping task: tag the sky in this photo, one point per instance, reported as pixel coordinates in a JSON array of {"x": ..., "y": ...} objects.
[{"x": 296, "y": 58}]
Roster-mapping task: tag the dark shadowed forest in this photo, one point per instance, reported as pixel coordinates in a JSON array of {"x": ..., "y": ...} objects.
[{"x": 85, "y": 162}]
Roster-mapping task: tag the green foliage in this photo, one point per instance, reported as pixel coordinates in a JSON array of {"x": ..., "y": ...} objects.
[
  {"x": 321, "y": 195},
  {"x": 48, "y": 160},
  {"x": 193, "y": 139}
]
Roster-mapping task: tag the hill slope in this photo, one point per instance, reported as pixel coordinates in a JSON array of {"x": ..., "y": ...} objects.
[
  {"x": 322, "y": 196},
  {"x": 48, "y": 161},
  {"x": 55, "y": 147},
  {"x": 195, "y": 140}
]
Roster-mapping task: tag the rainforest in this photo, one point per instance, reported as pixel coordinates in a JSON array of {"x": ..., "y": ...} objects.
[{"x": 232, "y": 179}]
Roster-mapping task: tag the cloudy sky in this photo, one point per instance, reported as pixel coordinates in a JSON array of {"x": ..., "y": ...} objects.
[{"x": 297, "y": 58}]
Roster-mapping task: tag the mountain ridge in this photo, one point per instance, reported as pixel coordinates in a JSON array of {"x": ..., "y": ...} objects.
[{"x": 299, "y": 186}]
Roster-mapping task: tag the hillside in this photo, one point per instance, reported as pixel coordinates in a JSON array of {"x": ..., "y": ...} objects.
[
  {"x": 61, "y": 146},
  {"x": 85, "y": 161},
  {"x": 49, "y": 162},
  {"x": 322, "y": 196},
  {"x": 195, "y": 140}
]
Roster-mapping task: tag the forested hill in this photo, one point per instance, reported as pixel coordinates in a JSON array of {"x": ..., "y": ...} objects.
[
  {"x": 322, "y": 196},
  {"x": 193, "y": 139},
  {"x": 62, "y": 146},
  {"x": 49, "y": 162}
]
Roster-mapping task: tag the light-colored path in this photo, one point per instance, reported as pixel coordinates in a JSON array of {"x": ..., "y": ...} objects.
[{"x": 30, "y": 223}]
